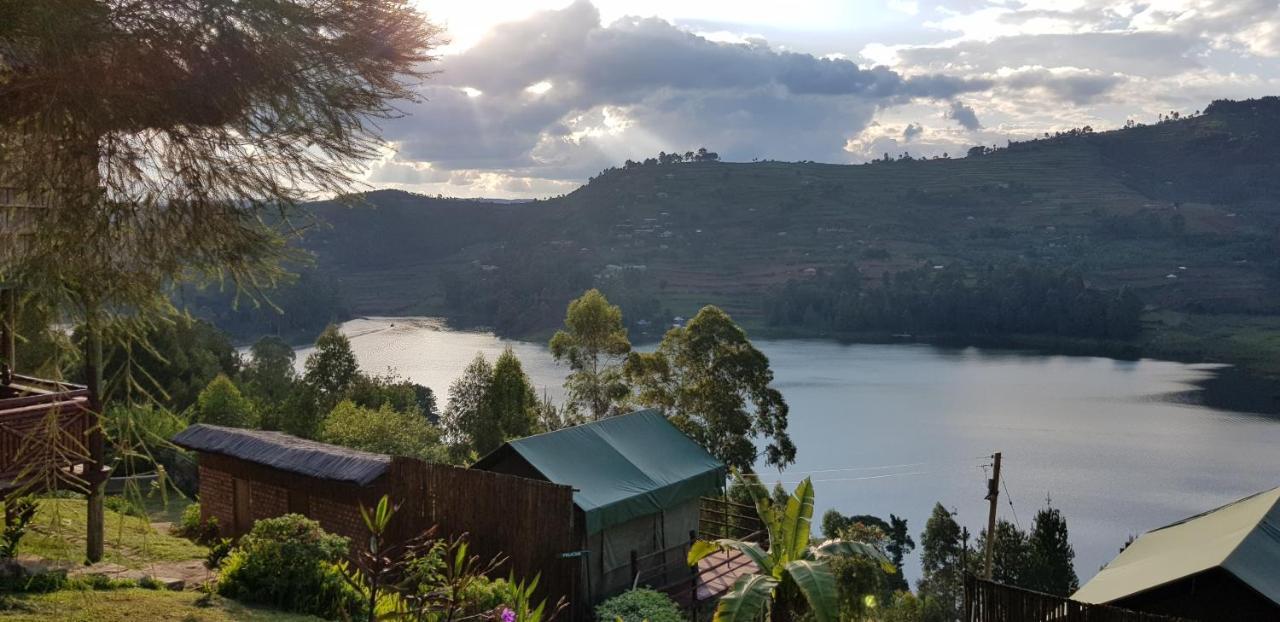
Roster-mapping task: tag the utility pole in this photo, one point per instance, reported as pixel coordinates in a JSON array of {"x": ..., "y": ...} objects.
[{"x": 993, "y": 493}]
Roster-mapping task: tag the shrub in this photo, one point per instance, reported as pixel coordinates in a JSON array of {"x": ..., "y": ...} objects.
[
  {"x": 639, "y": 605},
  {"x": 192, "y": 527},
  {"x": 21, "y": 510},
  {"x": 39, "y": 583},
  {"x": 290, "y": 563},
  {"x": 218, "y": 551},
  {"x": 124, "y": 506}
]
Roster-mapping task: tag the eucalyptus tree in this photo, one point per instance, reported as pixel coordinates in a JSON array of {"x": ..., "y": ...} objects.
[
  {"x": 714, "y": 385},
  {"x": 594, "y": 343},
  {"x": 159, "y": 141}
]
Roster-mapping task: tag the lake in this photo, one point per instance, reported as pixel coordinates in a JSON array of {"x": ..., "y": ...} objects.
[{"x": 1121, "y": 447}]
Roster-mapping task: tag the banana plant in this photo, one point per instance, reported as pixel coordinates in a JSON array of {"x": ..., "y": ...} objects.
[{"x": 791, "y": 555}]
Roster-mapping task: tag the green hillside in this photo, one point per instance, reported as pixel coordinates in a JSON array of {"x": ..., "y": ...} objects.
[{"x": 1184, "y": 213}]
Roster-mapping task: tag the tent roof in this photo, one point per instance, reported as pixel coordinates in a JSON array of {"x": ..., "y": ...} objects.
[
  {"x": 287, "y": 453},
  {"x": 1242, "y": 538},
  {"x": 620, "y": 468}
]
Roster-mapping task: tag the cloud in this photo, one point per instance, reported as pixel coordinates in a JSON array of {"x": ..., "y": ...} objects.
[
  {"x": 605, "y": 93},
  {"x": 540, "y": 104},
  {"x": 964, "y": 115},
  {"x": 1140, "y": 53},
  {"x": 1074, "y": 85}
]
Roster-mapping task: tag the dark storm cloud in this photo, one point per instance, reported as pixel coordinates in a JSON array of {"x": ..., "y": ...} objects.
[
  {"x": 675, "y": 87},
  {"x": 964, "y": 115}
]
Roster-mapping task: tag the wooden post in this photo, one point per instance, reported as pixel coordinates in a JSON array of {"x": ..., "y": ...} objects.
[
  {"x": 94, "y": 529},
  {"x": 9, "y": 328},
  {"x": 993, "y": 493}
]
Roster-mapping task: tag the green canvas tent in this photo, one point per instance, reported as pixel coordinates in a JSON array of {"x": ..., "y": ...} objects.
[
  {"x": 637, "y": 483},
  {"x": 1222, "y": 564}
]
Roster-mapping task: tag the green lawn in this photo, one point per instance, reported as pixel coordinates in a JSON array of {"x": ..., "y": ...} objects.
[
  {"x": 133, "y": 605},
  {"x": 57, "y": 533}
]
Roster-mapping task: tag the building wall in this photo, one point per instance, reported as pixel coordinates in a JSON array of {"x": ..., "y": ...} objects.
[
  {"x": 217, "y": 498},
  {"x": 341, "y": 518},
  {"x": 271, "y": 493},
  {"x": 267, "y": 501}
]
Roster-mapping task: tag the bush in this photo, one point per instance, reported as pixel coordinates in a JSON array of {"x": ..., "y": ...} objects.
[
  {"x": 290, "y": 563},
  {"x": 39, "y": 583},
  {"x": 22, "y": 511},
  {"x": 124, "y": 506},
  {"x": 639, "y": 605},
  {"x": 218, "y": 551},
  {"x": 192, "y": 527}
]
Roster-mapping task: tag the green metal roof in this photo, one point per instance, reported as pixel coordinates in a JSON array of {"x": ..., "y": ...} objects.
[
  {"x": 1242, "y": 538},
  {"x": 620, "y": 468}
]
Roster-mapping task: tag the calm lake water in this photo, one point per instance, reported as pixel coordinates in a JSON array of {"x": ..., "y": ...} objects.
[{"x": 895, "y": 428}]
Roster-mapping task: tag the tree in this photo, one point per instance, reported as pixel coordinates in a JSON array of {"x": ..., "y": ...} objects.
[
  {"x": 168, "y": 362},
  {"x": 269, "y": 377},
  {"x": 714, "y": 385},
  {"x": 594, "y": 343},
  {"x": 941, "y": 562},
  {"x": 375, "y": 391},
  {"x": 161, "y": 142},
  {"x": 792, "y": 574},
  {"x": 383, "y": 430},
  {"x": 332, "y": 368},
  {"x": 892, "y": 534},
  {"x": 900, "y": 542},
  {"x": 1052, "y": 557},
  {"x": 512, "y": 405},
  {"x": 468, "y": 410},
  {"x": 1010, "y": 554},
  {"x": 161, "y": 136},
  {"x": 221, "y": 403}
]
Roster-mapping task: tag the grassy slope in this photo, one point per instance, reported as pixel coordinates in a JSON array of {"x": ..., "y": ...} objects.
[
  {"x": 726, "y": 233},
  {"x": 58, "y": 534},
  {"x": 134, "y": 605}
]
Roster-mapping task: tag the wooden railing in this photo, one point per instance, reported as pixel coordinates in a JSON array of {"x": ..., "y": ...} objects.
[
  {"x": 44, "y": 431},
  {"x": 987, "y": 601},
  {"x": 722, "y": 518}
]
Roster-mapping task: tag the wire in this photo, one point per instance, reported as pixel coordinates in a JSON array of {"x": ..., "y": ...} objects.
[
  {"x": 1009, "y": 498},
  {"x": 884, "y": 467},
  {"x": 859, "y": 479}
]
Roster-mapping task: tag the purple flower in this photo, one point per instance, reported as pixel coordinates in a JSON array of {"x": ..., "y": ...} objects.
[{"x": 508, "y": 615}]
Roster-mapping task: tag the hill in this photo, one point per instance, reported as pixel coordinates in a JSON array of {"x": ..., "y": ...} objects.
[{"x": 1184, "y": 213}]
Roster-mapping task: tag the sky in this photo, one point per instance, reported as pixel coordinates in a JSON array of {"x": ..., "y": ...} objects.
[{"x": 532, "y": 97}]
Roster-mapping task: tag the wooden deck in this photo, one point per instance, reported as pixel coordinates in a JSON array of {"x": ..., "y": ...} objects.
[
  {"x": 718, "y": 571},
  {"x": 44, "y": 433}
]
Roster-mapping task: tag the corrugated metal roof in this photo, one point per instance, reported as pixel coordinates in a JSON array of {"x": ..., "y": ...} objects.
[
  {"x": 620, "y": 468},
  {"x": 285, "y": 452},
  {"x": 1242, "y": 538}
]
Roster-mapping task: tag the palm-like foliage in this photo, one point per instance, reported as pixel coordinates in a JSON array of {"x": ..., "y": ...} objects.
[{"x": 790, "y": 556}]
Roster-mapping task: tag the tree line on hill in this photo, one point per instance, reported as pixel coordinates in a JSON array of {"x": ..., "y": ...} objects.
[{"x": 935, "y": 300}]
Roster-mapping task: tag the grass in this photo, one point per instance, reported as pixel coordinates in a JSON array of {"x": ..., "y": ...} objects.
[
  {"x": 133, "y": 605},
  {"x": 58, "y": 533}
]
